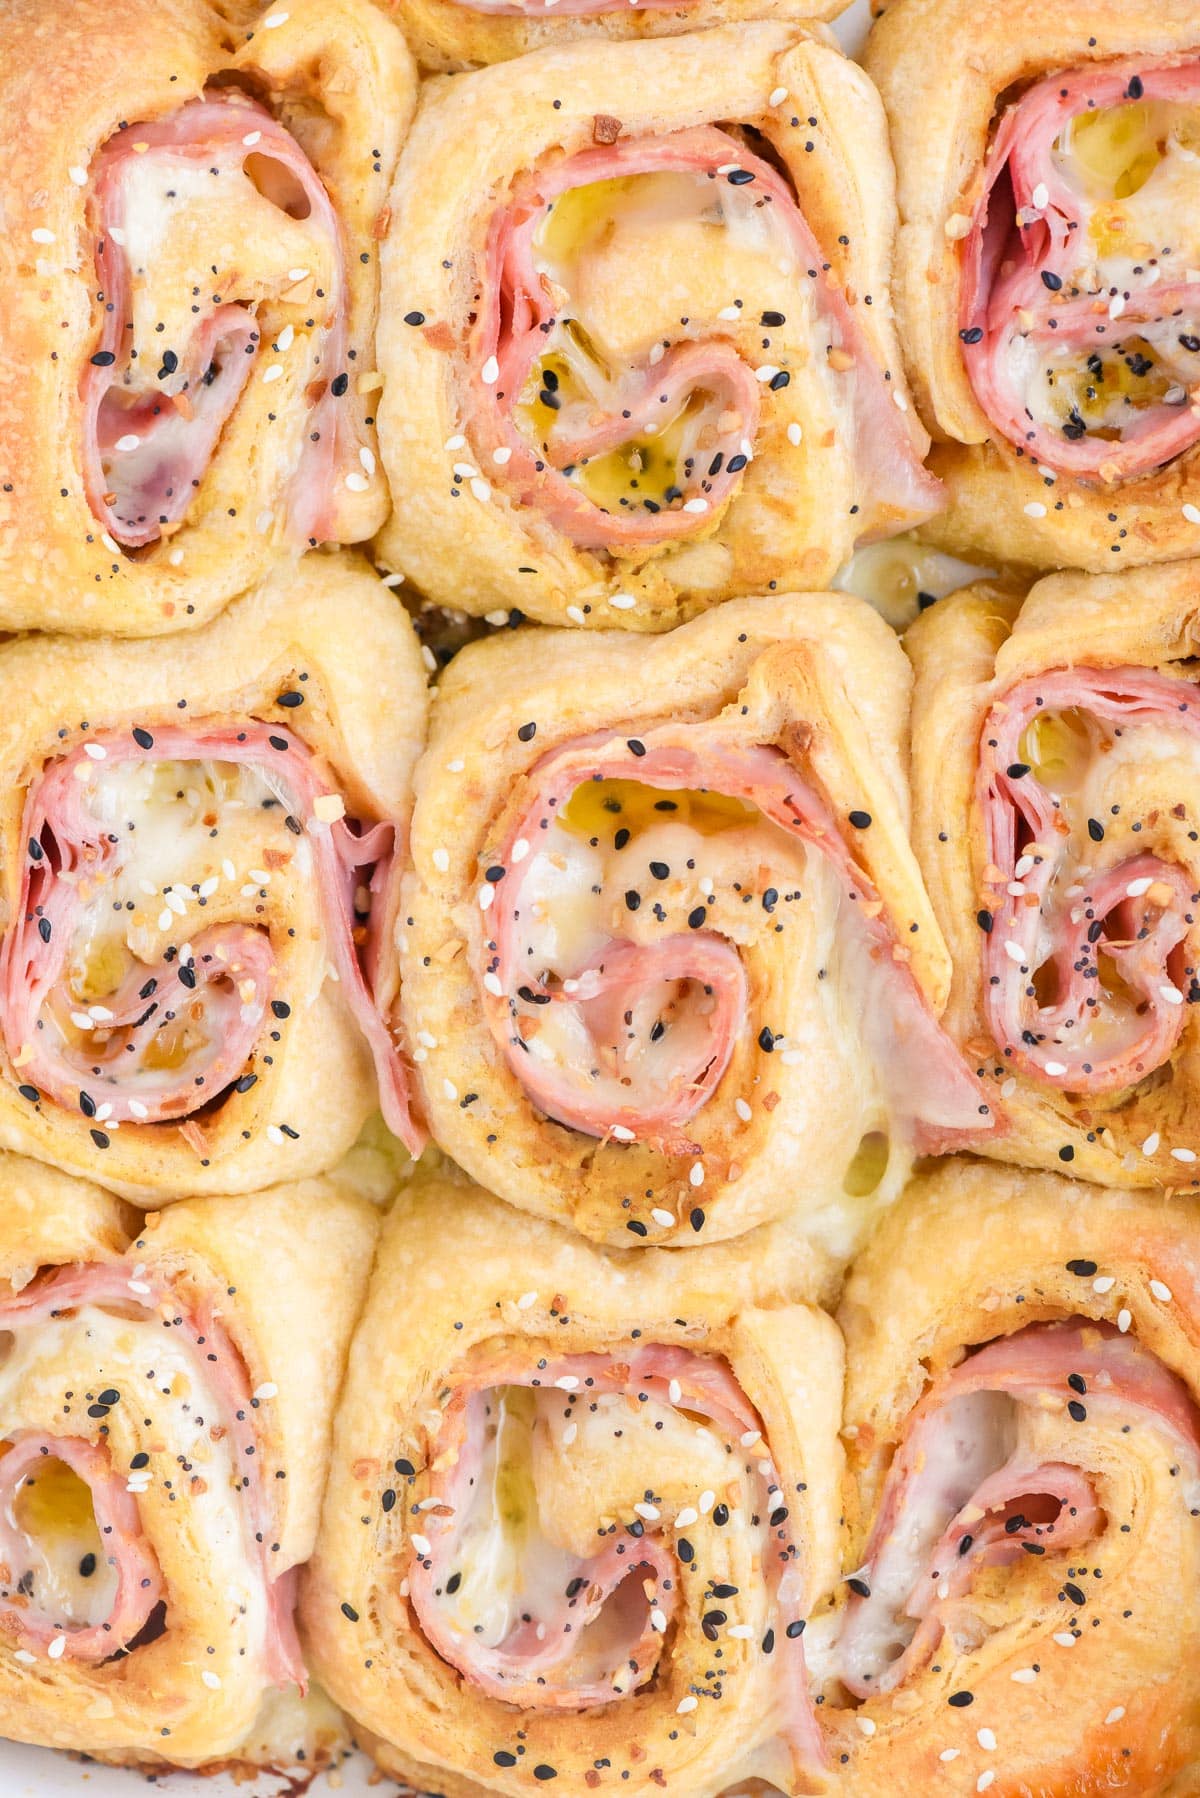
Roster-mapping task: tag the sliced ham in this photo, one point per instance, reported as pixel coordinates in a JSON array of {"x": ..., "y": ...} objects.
[
  {"x": 542, "y": 1667},
  {"x": 1028, "y": 288},
  {"x": 115, "y": 1286},
  {"x": 149, "y": 432},
  {"x": 963, "y": 1495},
  {"x": 927, "y": 1079},
  {"x": 230, "y": 975},
  {"x": 519, "y": 308},
  {"x": 1137, "y": 909}
]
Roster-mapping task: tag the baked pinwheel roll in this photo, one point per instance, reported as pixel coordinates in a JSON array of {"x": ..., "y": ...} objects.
[
  {"x": 1055, "y": 755},
  {"x": 165, "y": 1411},
  {"x": 1024, "y": 1436},
  {"x": 199, "y": 866},
  {"x": 1046, "y": 278},
  {"x": 454, "y": 34},
  {"x": 587, "y": 1527},
  {"x": 188, "y": 382},
  {"x": 668, "y": 968},
  {"x": 637, "y": 334}
]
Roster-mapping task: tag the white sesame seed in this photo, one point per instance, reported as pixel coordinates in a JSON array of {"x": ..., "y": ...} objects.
[
  {"x": 211, "y": 1680},
  {"x": 449, "y": 1089},
  {"x": 866, "y": 1724},
  {"x": 487, "y": 896},
  {"x": 129, "y": 442},
  {"x": 1192, "y": 514},
  {"x": 1150, "y": 1146},
  {"x": 664, "y": 1219},
  {"x": 329, "y": 807},
  {"x": 1040, "y": 196},
  {"x": 708, "y": 1499},
  {"x": 658, "y": 1620},
  {"x": 1024, "y": 1676},
  {"x": 622, "y": 1133},
  {"x": 164, "y": 920},
  {"x": 40, "y": 235},
  {"x": 356, "y": 482},
  {"x": 749, "y": 1437},
  {"x": 526, "y": 1300},
  {"x": 489, "y": 374},
  {"x": 766, "y": 372},
  {"x": 1014, "y": 952},
  {"x": 794, "y": 435},
  {"x": 986, "y": 1739},
  {"x": 274, "y": 1135},
  {"x": 1104, "y": 1284},
  {"x": 1171, "y": 995},
  {"x": 274, "y": 373},
  {"x": 275, "y": 20},
  {"x": 1064, "y": 1638},
  {"x": 1183, "y": 1154},
  {"x": 777, "y": 96},
  {"x": 651, "y": 1513},
  {"x": 492, "y": 984},
  {"x": 251, "y": 138},
  {"x": 78, "y": 176},
  {"x": 481, "y": 489},
  {"x": 1055, "y": 1068},
  {"x": 949, "y": 1754},
  {"x": 26, "y": 1659},
  {"x": 1136, "y": 888},
  {"x": 985, "y": 1780},
  {"x": 685, "y": 1518},
  {"x": 729, "y": 314},
  {"x": 1115, "y": 1715},
  {"x": 421, "y": 1544},
  {"x": 1161, "y": 1293},
  {"x": 695, "y": 505},
  {"x": 696, "y": 1174},
  {"x": 1124, "y": 1319},
  {"x": 622, "y": 602},
  {"x": 674, "y": 1391},
  {"x": 365, "y": 455},
  {"x": 57, "y": 1648},
  {"x": 686, "y": 1705},
  {"x": 1035, "y": 509}
]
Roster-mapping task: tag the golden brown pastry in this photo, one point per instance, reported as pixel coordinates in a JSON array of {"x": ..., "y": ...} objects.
[
  {"x": 200, "y": 855},
  {"x": 584, "y": 1528},
  {"x": 668, "y": 966},
  {"x": 1056, "y": 749},
  {"x": 1046, "y": 278},
  {"x": 454, "y": 34},
  {"x": 637, "y": 333},
  {"x": 166, "y": 1401},
  {"x": 1023, "y": 1430},
  {"x": 192, "y": 198}
]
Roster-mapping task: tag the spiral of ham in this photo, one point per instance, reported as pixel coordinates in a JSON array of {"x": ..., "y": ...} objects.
[
  {"x": 1031, "y": 291},
  {"x": 150, "y": 432},
  {"x": 230, "y": 973},
  {"x": 520, "y": 306},
  {"x": 630, "y": 1590},
  {"x": 627, "y": 984},
  {"x": 152, "y": 1304},
  {"x": 1137, "y": 909},
  {"x": 962, "y": 1495}
]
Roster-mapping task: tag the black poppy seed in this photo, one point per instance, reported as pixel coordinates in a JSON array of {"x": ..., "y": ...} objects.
[
  {"x": 697, "y": 916},
  {"x": 1077, "y": 1412},
  {"x": 1085, "y": 1269},
  {"x": 338, "y": 385},
  {"x": 1095, "y": 830},
  {"x": 527, "y": 732},
  {"x": 349, "y": 1612},
  {"x": 142, "y": 738},
  {"x": 960, "y": 1700},
  {"x": 860, "y": 820},
  {"x": 974, "y": 334}
]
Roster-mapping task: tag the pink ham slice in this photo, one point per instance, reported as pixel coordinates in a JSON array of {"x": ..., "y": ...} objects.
[
  {"x": 1010, "y": 269},
  {"x": 516, "y": 313},
  {"x": 538, "y": 1668},
  {"x": 140, "y": 1586},
  {"x": 929, "y": 1082},
  {"x": 961, "y": 1495},
  {"x": 1144, "y": 934},
  {"x": 64, "y": 841},
  {"x": 152, "y": 486}
]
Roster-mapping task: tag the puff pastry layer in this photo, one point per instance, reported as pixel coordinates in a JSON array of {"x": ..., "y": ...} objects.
[
  {"x": 600, "y": 1498},
  {"x": 668, "y": 966},
  {"x": 200, "y": 862},
  {"x": 1055, "y": 748},
  {"x": 637, "y": 333},
  {"x": 165, "y": 1408},
  {"x": 1046, "y": 270},
  {"x": 192, "y": 205},
  {"x": 1025, "y": 1444}
]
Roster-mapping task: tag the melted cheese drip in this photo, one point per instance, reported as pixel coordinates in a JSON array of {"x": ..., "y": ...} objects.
[
  {"x": 66, "y": 1574},
  {"x": 178, "y": 824}
]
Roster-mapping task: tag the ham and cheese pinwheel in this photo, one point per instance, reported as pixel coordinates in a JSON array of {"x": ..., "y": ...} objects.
[
  {"x": 191, "y": 286},
  {"x": 1056, "y": 768},
  {"x": 456, "y": 34},
  {"x": 1024, "y": 1435},
  {"x": 637, "y": 334},
  {"x": 1046, "y": 281},
  {"x": 165, "y": 1411},
  {"x": 587, "y": 1526},
  {"x": 668, "y": 965},
  {"x": 199, "y": 865}
]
